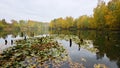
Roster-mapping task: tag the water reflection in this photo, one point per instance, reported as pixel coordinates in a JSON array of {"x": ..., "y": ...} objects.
[
  {"x": 7, "y": 37},
  {"x": 79, "y": 47},
  {"x": 106, "y": 42},
  {"x": 22, "y": 34},
  {"x": 25, "y": 38}
]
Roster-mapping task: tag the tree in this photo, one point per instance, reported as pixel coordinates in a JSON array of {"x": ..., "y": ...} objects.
[
  {"x": 113, "y": 15},
  {"x": 99, "y": 14},
  {"x": 83, "y": 22},
  {"x": 92, "y": 23},
  {"x": 69, "y": 21}
]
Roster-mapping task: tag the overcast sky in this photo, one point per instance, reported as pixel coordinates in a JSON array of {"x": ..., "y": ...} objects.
[{"x": 45, "y": 10}]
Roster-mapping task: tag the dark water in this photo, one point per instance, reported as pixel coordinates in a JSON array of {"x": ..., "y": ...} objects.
[
  {"x": 102, "y": 47},
  {"x": 87, "y": 47}
]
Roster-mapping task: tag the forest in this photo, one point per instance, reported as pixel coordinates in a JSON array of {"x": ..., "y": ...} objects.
[
  {"x": 22, "y": 25},
  {"x": 105, "y": 16}
]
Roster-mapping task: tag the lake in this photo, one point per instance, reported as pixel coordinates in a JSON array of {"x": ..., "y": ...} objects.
[{"x": 89, "y": 47}]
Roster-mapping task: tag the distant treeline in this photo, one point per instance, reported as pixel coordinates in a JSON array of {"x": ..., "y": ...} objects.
[
  {"x": 22, "y": 25},
  {"x": 105, "y": 16}
]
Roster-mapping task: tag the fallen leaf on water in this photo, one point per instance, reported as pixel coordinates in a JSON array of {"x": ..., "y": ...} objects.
[
  {"x": 83, "y": 59},
  {"x": 100, "y": 66}
]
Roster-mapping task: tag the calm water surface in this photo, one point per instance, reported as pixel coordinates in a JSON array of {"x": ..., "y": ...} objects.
[{"x": 97, "y": 47}]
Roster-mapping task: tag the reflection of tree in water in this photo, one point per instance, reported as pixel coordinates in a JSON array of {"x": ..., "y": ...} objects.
[
  {"x": 21, "y": 34},
  {"x": 110, "y": 47},
  {"x": 106, "y": 42},
  {"x": 79, "y": 46},
  {"x": 4, "y": 34},
  {"x": 99, "y": 55},
  {"x": 84, "y": 34}
]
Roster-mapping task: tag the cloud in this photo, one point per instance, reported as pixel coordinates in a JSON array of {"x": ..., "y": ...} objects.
[{"x": 45, "y": 10}]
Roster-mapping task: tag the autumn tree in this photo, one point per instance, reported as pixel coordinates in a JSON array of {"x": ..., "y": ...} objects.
[
  {"x": 83, "y": 22},
  {"x": 69, "y": 21},
  {"x": 99, "y": 14},
  {"x": 15, "y": 25}
]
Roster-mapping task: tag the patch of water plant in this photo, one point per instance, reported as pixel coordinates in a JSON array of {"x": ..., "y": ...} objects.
[
  {"x": 36, "y": 52},
  {"x": 83, "y": 43}
]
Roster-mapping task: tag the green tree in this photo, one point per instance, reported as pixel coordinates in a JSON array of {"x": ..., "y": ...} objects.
[
  {"x": 99, "y": 14},
  {"x": 83, "y": 22}
]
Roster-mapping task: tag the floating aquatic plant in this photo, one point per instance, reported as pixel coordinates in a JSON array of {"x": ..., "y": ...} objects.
[{"x": 35, "y": 52}]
